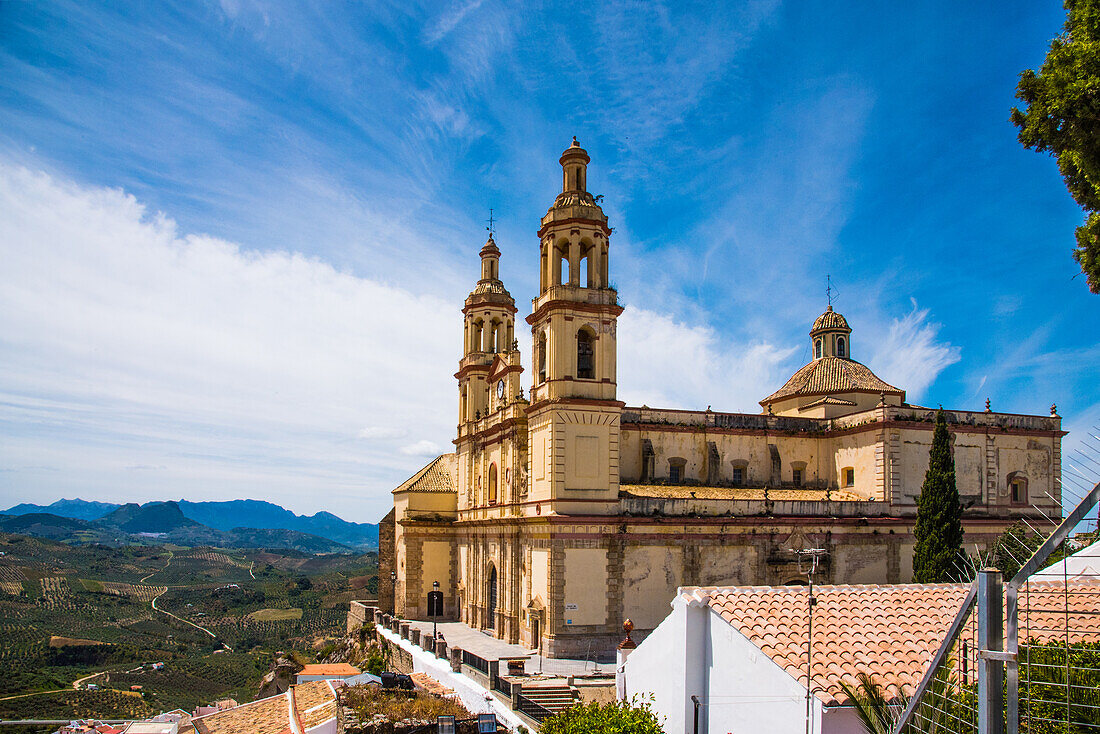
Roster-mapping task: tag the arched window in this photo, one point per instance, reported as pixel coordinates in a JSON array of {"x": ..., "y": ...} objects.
[
  {"x": 586, "y": 362},
  {"x": 1017, "y": 488},
  {"x": 583, "y": 275},
  {"x": 540, "y": 358},
  {"x": 462, "y": 407},
  {"x": 841, "y": 347},
  {"x": 492, "y": 484},
  {"x": 491, "y": 622},
  {"x": 475, "y": 343},
  {"x": 817, "y": 348}
]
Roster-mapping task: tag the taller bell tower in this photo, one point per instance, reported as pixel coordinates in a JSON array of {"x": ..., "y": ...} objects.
[{"x": 574, "y": 414}]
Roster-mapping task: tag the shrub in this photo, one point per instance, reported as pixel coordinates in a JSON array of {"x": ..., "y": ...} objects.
[{"x": 618, "y": 717}]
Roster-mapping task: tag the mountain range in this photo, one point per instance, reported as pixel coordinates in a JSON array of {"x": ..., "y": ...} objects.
[{"x": 234, "y": 523}]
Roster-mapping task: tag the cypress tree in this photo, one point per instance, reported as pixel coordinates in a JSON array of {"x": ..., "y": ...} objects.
[{"x": 939, "y": 530}]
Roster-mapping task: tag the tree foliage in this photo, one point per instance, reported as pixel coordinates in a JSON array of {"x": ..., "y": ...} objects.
[
  {"x": 1062, "y": 117},
  {"x": 617, "y": 717},
  {"x": 875, "y": 710},
  {"x": 939, "y": 530}
]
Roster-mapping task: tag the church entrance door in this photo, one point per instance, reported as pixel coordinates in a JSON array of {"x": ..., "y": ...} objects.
[{"x": 492, "y": 622}]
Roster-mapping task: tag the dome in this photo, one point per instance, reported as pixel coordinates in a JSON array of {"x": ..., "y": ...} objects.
[
  {"x": 830, "y": 320},
  {"x": 832, "y": 376}
]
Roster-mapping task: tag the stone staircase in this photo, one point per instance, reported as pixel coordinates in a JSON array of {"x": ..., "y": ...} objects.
[{"x": 540, "y": 701}]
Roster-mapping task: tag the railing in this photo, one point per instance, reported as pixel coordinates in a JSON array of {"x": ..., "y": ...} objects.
[
  {"x": 475, "y": 662},
  {"x": 500, "y": 684},
  {"x": 536, "y": 711}
]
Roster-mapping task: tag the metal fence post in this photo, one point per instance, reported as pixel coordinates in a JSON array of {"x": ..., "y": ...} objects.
[{"x": 990, "y": 652}]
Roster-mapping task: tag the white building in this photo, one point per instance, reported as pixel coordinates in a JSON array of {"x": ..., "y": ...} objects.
[{"x": 742, "y": 651}]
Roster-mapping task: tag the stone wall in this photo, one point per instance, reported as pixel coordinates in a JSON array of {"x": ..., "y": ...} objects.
[{"x": 386, "y": 561}]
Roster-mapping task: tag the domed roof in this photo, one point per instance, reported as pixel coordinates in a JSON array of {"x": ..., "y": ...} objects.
[
  {"x": 490, "y": 286},
  {"x": 832, "y": 376},
  {"x": 830, "y": 320}
]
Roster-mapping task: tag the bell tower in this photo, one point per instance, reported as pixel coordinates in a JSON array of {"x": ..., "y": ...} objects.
[{"x": 574, "y": 414}]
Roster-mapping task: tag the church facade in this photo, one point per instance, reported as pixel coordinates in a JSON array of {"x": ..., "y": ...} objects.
[{"x": 563, "y": 512}]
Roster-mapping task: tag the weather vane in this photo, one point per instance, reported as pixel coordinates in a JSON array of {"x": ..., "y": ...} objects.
[
  {"x": 829, "y": 290},
  {"x": 490, "y": 221}
]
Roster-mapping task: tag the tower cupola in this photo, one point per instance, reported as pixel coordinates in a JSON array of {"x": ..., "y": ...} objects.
[
  {"x": 830, "y": 335},
  {"x": 574, "y": 164},
  {"x": 490, "y": 261}
]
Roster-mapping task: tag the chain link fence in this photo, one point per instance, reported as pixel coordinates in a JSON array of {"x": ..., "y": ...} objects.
[{"x": 1023, "y": 654}]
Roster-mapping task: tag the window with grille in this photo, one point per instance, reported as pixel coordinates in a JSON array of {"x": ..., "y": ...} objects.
[{"x": 586, "y": 369}]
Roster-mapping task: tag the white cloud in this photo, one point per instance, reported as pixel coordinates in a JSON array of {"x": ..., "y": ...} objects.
[
  {"x": 128, "y": 343},
  {"x": 666, "y": 363},
  {"x": 382, "y": 432},
  {"x": 421, "y": 448},
  {"x": 909, "y": 356}
]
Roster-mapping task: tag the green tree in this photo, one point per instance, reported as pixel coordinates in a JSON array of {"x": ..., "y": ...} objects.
[
  {"x": 939, "y": 530},
  {"x": 618, "y": 717},
  {"x": 875, "y": 711},
  {"x": 1062, "y": 117}
]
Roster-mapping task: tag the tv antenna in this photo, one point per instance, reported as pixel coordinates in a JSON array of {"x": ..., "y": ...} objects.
[{"x": 808, "y": 559}]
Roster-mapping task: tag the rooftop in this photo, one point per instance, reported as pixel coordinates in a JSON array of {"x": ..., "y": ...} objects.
[
  {"x": 890, "y": 632},
  {"x": 437, "y": 476},
  {"x": 311, "y": 704},
  {"x": 330, "y": 669},
  {"x": 830, "y": 376}
]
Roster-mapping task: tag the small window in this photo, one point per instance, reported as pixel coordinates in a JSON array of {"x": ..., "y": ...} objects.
[
  {"x": 817, "y": 348},
  {"x": 841, "y": 347},
  {"x": 849, "y": 477},
  {"x": 676, "y": 470},
  {"x": 796, "y": 477},
  {"x": 1017, "y": 486},
  {"x": 541, "y": 357},
  {"x": 585, "y": 362},
  {"x": 492, "y": 484},
  {"x": 738, "y": 475}
]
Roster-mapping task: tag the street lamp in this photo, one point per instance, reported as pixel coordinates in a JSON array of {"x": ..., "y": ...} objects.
[{"x": 435, "y": 617}]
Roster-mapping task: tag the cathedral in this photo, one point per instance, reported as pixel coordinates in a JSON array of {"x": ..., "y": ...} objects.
[{"x": 563, "y": 512}]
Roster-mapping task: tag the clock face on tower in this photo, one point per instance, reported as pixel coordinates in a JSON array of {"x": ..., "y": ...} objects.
[{"x": 500, "y": 389}]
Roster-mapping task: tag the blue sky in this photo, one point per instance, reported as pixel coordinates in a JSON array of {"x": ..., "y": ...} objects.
[{"x": 237, "y": 235}]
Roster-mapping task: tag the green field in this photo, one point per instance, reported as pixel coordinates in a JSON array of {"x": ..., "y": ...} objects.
[{"x": 101, "y": 598}]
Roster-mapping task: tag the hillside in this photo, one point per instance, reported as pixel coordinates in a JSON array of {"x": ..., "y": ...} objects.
[
  {"x": 152, "y": 517},
  {"x": 146, "y": 525},
  {"x": 226, "y": 516},
  {"x": 67, "y": 611}
]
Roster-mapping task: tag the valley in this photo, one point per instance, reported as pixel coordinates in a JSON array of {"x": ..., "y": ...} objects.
[{"x": 186, "y": 625}]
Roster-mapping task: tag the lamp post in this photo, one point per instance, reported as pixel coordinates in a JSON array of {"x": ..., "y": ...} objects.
[{"x": 435, "y": 617}]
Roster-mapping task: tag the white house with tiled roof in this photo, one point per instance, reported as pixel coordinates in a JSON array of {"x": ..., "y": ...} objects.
[
  {"x": 563, "y": 511},
  {"x": 742, "y": 650}
]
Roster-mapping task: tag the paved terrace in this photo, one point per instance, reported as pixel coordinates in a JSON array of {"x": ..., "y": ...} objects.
[{"x": 458, "y": 634}]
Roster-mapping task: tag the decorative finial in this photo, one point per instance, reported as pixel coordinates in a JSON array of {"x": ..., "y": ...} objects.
[
  {"x": 628, "y": 644},
  {"x": 987, "y": 408},
  {"x": 490, "y": 227},
  {"x": 575, "y": 143},
  {"x": 770, "y": 411},
  {"x": 882, "y": 398},
  {"x": 515, "y": 345},
  {"x": 1054, "y": 410}
]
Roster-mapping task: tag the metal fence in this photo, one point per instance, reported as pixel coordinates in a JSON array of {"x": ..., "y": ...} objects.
[
  {"x": 1023, "y": 654},
  {"x": 533, "y": 710},
  {"x": 475, "y": 662}
]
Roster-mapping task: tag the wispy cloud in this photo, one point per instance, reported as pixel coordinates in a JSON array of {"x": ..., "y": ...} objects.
[
  {"x": 450, "y": 18},
  {"x": 911, "y": 357}
]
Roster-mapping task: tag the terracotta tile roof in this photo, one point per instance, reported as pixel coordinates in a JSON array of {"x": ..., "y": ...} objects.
[
  {"x": 830, "y": 320},
  {"x": 313, "y": 704},
  {"x": 890, "y": 632},
  {"x": 437, "y": 476},
  {"x": 425, "y": 682},
  {"x": 827, "y": 400},
  {"x": 829, "y": 376},
  {"x": 677, "y": 491},
  {"x": 330, "y": 669}
]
